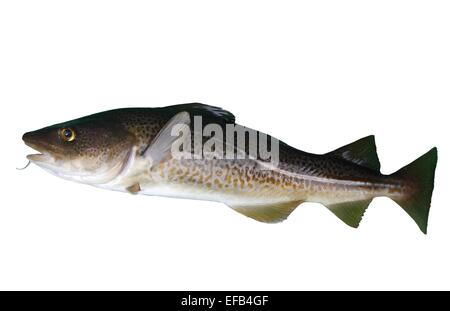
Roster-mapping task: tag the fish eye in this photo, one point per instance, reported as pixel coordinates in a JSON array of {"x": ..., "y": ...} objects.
[{"x": 67, "y": 134}]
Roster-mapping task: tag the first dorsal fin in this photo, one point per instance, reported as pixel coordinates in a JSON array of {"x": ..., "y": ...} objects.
[
  {"x": 362, "y": 152},
  {"x": 210, "y": 112},
  {"x": 269, "y": 213}
]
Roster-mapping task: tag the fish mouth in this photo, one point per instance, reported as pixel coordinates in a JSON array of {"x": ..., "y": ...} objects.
[
  {"x": 43, "y": 149},
  {"x": 43, "y": 156},
  {"x": 40, "y": 157}
]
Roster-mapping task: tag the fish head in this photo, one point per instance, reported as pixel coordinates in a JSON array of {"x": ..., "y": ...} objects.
[{"x": 91, "y": 150}]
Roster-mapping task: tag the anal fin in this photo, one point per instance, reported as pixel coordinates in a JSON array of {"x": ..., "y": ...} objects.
[
  {"x": 350, "y": 212},
  {"x": 268, "y": 213}
]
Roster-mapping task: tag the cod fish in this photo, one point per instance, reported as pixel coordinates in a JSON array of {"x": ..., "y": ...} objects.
[{"x": 138, "y": 150}]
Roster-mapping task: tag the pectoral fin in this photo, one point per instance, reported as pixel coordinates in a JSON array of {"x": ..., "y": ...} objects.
[
  {"x": 160, "y": 148},
  {"x": 350, "y": 212},
  {"x": 269, "y": 213}
]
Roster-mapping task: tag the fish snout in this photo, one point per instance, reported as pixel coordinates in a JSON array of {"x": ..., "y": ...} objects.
[
  {"x": 39, "y": 140},
  {"x": 34, "y": 140},
  {"x": 29, "y": 137}
]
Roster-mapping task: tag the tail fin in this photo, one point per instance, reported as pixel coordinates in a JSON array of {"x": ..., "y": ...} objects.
[{"x": 420, "y": 174}]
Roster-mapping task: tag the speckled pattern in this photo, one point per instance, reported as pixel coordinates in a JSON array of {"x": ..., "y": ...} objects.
[
  {"x": 299, "y": 175},
  {"x": 117, "y": 150}
]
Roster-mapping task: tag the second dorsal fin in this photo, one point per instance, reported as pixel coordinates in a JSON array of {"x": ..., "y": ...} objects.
[{"x": 362, "y": 152}]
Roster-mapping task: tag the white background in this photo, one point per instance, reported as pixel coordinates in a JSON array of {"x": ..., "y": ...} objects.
[{"x": 316, "y": 74}]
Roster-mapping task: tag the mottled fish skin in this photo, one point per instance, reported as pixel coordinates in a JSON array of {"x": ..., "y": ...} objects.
[
  {"x": 110, "y": 152},
  {"x": 300, "y": 176}
]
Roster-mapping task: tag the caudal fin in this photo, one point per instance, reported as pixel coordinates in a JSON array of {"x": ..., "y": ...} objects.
[{"x": 420, "y": 174}]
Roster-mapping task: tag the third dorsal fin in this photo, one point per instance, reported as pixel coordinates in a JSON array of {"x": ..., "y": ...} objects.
[{"x": 362, "y": 152}]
